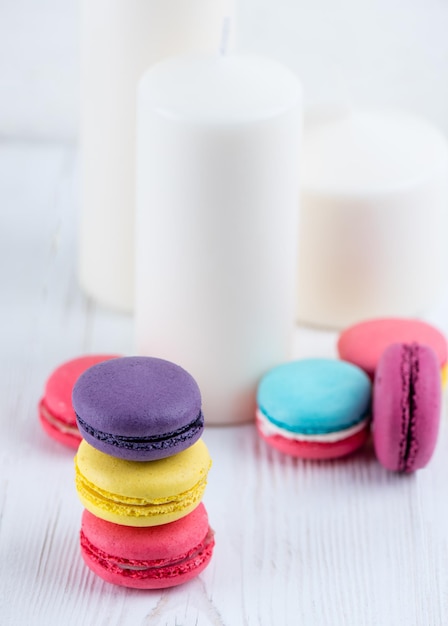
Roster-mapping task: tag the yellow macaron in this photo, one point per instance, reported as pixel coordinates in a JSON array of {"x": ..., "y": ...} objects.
[{"x": 135, "y": 493}]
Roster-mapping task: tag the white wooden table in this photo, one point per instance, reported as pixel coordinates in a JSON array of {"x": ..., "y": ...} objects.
[{"x": 297, "y": 542}]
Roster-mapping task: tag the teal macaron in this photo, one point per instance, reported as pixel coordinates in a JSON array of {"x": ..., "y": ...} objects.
[{"x": 314, "y": 408}]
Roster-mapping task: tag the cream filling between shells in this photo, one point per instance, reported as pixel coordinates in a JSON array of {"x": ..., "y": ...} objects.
[
  {"x": 63, "y": 427},
  {"x": 269, "y": 430}
]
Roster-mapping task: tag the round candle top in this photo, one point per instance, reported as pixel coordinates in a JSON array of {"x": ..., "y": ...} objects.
[
  {"x": 351, "y": 152},
  {"x": 219, "y": 89}
]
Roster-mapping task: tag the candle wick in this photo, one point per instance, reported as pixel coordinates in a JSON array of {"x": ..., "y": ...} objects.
[{"x": 225, "y": 35}]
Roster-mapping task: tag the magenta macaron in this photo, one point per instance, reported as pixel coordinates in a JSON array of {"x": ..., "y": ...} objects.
[
  {"x": 406, "y": 406},
  {"x": 138, "y": 408},
  {"x": 147, "y": 558}
]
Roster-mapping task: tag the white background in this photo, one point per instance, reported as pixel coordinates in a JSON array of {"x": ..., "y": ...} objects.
[{"x": 367, "y": 52}]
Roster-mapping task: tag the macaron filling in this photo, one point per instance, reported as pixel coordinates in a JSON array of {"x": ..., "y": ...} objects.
[
  {"x": 270, "y": 429},
  {"x": 152, "y": 569},
  {"x": 56, "y": 422},
  {"x": 138, "y": 507},
  {"x": 409, "y": 372},
  {"x": 155, "y": 442}
]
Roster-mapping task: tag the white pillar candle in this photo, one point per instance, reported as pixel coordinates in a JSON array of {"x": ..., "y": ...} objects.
[
  {"x": 217, "y": 212},
  {"x": 374, "y": 209},
  {"x": 119, "y": 40}
]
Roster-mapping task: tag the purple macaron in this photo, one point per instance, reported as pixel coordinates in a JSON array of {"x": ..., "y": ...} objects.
[
  {"x": 138, "y": 408},
  {"x": 406, "y": 406}
]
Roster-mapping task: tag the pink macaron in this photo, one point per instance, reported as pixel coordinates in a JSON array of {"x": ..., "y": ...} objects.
[
  {"x": 56, "y": 413},
  {"x": 363, "y": 344},
  {"x": 406, "y": 406},
  {"x": 153, "y": 557}
]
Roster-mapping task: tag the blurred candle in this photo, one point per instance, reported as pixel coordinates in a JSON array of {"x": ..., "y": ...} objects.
[
  {"x": 373, "y": 226},
  {"x": 217, "y": 213},
  {"x": 119, "y": 40}
]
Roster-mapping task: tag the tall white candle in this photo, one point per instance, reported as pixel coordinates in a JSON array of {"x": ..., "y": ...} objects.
[
  {"x": 119, "y": 40},
  {"x": 217, "y": 212},
  {"x": 373, "y": 232}
]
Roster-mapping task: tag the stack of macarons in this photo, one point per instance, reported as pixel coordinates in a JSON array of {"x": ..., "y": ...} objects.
[
  {"x": 141, "y": 471},
  {"x": 388, "y": 379}
]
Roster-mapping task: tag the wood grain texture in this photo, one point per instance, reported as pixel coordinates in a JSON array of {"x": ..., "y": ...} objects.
[{"x": 319, "y": 544}]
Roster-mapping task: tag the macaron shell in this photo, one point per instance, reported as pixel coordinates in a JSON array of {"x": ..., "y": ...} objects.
[
  {"x": 314, "y": 396},
  {"x": 137, "y": 397},
  {"x": 364, "y": 343},
  {"x": 141, "y": 494},
  {"x": 151, "y": 543},
  {"x": 392, "y": 419}
]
